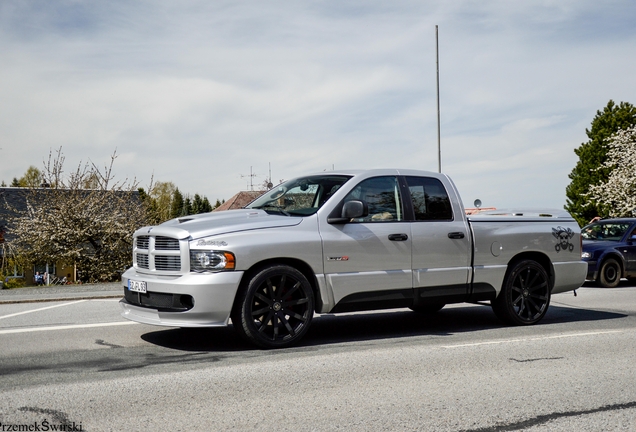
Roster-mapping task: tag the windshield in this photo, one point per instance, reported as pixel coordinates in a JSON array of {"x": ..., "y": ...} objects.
[
  {"x": 300, "y": 197},
  {"x": 605, "y": 231}
]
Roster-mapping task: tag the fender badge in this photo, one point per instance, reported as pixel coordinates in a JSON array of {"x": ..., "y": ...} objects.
[
  {"x": 341, "y": 258},
  {"x": 211, "y": 243}
]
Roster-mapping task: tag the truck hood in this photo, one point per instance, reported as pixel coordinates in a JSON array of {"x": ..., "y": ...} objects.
[{"x": 215, "y": 223}]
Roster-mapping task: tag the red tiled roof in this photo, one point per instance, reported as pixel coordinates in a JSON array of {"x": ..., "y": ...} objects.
[{"x": 239, "y": 200}]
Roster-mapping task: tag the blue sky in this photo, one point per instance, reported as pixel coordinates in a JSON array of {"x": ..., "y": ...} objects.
[{"x": 197, "y": 92}]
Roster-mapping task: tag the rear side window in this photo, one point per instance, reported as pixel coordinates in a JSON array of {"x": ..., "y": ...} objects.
[{"x": 429, "y": 198}]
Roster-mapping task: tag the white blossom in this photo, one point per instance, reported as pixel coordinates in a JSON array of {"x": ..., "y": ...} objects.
[
  {"x": 618, "y": 193},
  {"x": 67, "y": 223}
]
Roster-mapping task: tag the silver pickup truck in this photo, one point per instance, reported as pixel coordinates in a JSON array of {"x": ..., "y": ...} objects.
[{"x": 347, "y": 241}]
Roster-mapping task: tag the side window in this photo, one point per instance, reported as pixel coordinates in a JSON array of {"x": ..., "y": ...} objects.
[
  {"x": 382, "y": 195},
  {"x": 430, "y": 200}
]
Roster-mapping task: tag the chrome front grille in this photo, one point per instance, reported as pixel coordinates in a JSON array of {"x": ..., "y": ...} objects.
[
  {"x": 166, "y": 243},
  {"x": 168, "y": 263},
  {"x": 142, "y": 260},
  {"x": 159, "y": 253},
  {"x": 143, "y": 242}
]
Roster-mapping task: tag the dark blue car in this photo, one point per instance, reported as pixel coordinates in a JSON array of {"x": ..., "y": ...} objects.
[{"x": 609, "y": 247}]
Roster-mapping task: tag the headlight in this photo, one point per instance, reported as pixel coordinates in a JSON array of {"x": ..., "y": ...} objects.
[
  {"x": 586, "y": 255},
  {"x": 211, "y": 260}
]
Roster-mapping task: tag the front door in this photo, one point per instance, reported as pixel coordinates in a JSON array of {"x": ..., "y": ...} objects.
[
  {"x": 629, "y": 252},
  {"x": 368, "y": 260}
]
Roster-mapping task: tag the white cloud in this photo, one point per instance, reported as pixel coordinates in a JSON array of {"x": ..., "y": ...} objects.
[{"x": 199, "y": 92}]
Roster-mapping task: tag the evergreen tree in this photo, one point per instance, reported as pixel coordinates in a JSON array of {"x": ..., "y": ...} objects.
[
  {"x": 187, "y": 207},
  {"x": 589, "y": 170},
  {"x": 177, "y": 204},
  {"x": 151, "y": 207},
  {"x": 206, "y": 207},
  {"x": 197, "y": 204}
]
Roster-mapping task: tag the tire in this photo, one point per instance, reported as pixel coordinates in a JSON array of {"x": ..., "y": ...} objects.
[
  {"x": 610, "y": 274},
  {"x": 274, "y": 308},
  {"x": 428, "y": 309},
  {"x": 525, "y": 294}
]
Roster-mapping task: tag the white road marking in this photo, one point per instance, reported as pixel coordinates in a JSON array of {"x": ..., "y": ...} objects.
[
  {"x": 505, "y": 341},
  {"x": 67, "y": 327},
  {"x": 41, "y": 309}
]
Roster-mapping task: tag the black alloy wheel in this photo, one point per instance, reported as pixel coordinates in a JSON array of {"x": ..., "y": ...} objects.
[
  {"x": 610, "y": 274},
  {"x": 275, "y": 308},
  {"x": 525, "y": 295}
]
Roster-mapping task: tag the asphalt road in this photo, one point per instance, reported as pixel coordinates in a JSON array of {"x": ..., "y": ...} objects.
[{"x": 77, "y": 362}]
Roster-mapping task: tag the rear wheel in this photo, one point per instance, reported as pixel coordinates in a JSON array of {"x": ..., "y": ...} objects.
[
  {"x": 274, "y": 308},
  {"x": 610, "y": 274},
  {"x": 525, "y": 295}
]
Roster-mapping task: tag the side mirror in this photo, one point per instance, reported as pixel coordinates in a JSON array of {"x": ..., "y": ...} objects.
[
  {"x": 355, "y": 209},
  {"x": 351, "y": 210}
]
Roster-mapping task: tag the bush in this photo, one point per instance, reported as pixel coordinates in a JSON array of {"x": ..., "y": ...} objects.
[{"x": 14, "y": 283}]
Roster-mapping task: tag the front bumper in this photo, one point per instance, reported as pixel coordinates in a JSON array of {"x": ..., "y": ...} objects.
[
  {"x": 592, "y": 270},
  {"x": 206, "y": 299}
]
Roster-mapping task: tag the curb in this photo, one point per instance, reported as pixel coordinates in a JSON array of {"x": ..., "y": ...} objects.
[{"x": 56, "y": 299}]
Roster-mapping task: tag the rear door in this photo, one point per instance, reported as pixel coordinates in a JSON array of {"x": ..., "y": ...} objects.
[{"x": 441, "y": 241}]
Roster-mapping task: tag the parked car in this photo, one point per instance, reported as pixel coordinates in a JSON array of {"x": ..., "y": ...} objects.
[{"x": 609, "y": 247}]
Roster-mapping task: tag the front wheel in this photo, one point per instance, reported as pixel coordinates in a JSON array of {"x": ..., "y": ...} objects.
[
  {"x": 274, "y": 308},
  {"x": 610, "y": 274},
  {"x": 525, "y": 294}
]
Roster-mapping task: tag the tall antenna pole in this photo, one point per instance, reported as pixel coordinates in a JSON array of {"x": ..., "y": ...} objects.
[{"x": 439, "y": 141}]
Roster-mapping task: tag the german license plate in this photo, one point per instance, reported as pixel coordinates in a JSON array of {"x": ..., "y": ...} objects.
[{"x": 137, "y": 286}]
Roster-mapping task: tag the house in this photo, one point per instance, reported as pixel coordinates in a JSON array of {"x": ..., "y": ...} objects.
[
  {"x": 16, "y": 198},
  {"x": 240, "y": 200}
]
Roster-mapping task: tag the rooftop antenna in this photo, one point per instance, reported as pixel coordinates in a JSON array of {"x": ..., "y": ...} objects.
[
  {"x": 251, "y": 177},
  {"x": 439, "y": 144}
]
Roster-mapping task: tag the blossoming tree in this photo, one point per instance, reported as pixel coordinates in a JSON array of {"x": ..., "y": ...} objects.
[
  {"x": 617, "y": 195},
  {"x": 85, "y": 219}
]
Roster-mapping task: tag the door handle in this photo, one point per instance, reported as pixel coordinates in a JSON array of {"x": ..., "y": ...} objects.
[
  {"x": 456, "y": 235},
  {"x": 398, "y": 237}
]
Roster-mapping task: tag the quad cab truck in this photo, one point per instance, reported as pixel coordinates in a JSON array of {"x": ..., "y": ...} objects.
[{"x": 348, "y": 241}]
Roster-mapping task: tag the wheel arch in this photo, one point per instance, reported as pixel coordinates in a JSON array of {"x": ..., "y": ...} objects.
[
  {"x": 299, "y": 265},
  {"x": 541, "y": 258},
  {"x": 614, "y": 255}
]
